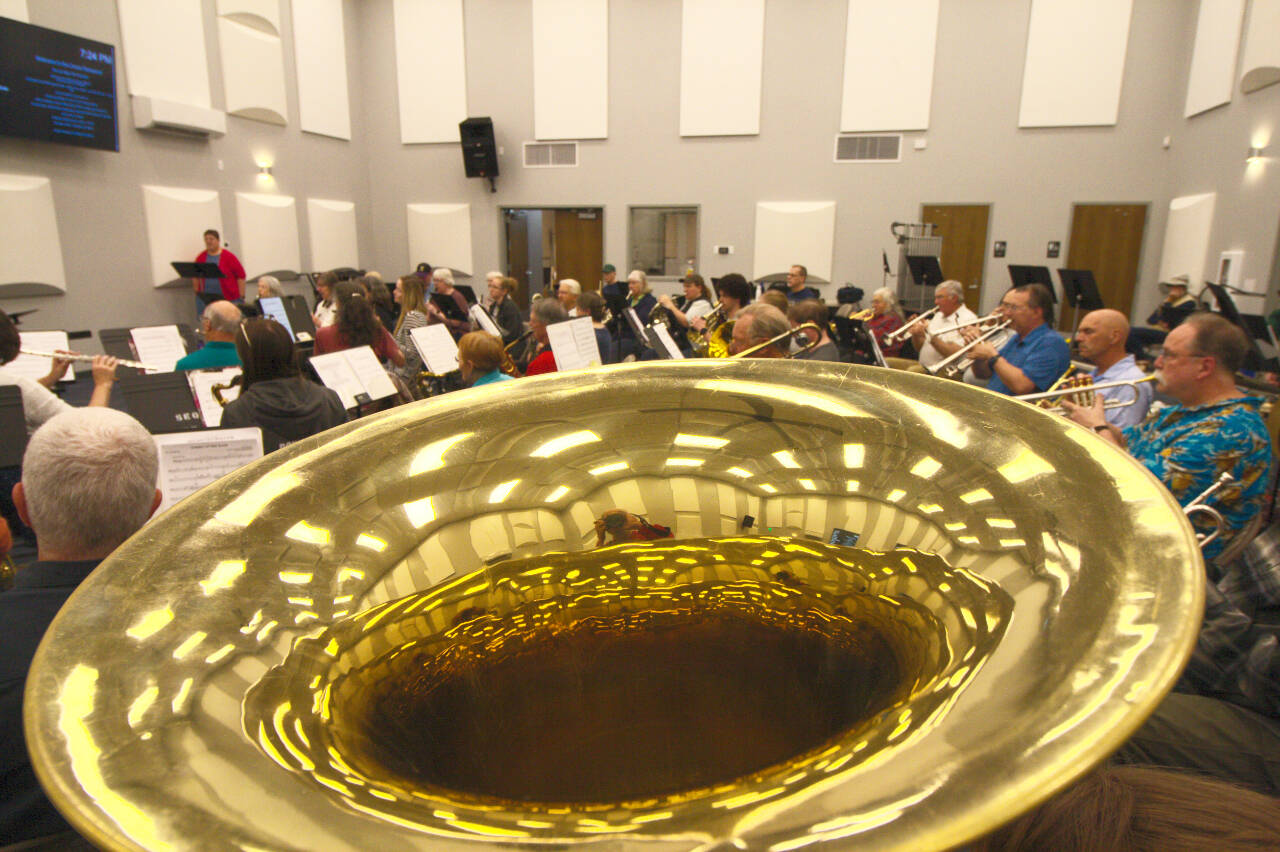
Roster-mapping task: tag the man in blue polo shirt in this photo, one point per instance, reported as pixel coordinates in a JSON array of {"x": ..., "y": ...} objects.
[
  {"x": 219, "y": 323},
  {"x": 1035, "y": 357},
  {"x": 798, "y": 289}
]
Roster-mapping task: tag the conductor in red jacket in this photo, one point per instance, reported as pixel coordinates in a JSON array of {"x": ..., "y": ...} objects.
[{"x": 230, "y": 285}]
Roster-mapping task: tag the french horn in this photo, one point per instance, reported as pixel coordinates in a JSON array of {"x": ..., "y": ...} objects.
[{"x": 893, "y": 613}]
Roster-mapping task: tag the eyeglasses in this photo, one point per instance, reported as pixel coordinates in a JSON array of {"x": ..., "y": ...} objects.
[
  {"x": 1170, "y": 356},
  {"x": 1005, "y": 306}
]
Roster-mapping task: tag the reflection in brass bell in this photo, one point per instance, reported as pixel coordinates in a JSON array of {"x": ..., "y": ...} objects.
[{"x": 267, "y": 665}]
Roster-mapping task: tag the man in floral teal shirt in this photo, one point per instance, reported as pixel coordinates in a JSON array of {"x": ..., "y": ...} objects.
[{"x": 1212, "y": 429}]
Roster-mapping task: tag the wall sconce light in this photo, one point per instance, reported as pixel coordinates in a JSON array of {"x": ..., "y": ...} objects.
[
  {"x": 1255, "y": 155},
  {"x": 264, "y": 171}
]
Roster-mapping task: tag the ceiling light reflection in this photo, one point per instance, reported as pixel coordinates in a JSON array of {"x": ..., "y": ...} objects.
[
  {"x": 556, "y": 495},
  {"x": 307, "y": 534},
  {"x": 431, "y": 457},
  {"x": 854, "y": 455},
  {"x": 807, "y": 484},
  {"x": 420, "y": 512},
  {"x": 503, "y": 491},
  {"x": 705, "y": 442},
  {"x": 740, "y": 472},
  {"x": 926, "y": 467},
  {"x": 895, "y": 495},
  {"x": 564, "y": 442},
  {"x": 685, "y": 462},
  {"x": 786, "y": 459},
  {"x": 608, "y": 468},
  {"x": 851, "y": 485},
  {"x": 223, "y": 576},
  {"x": 768, "y": 488}
]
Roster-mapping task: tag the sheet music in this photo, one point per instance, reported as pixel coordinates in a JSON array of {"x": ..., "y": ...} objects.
[
  {"x": 436, "y": 346},
  {"x": 574, "y": 344},
  {"x": 273, "y": 306},
  {"x": 191, "y": 460},
  {"x": 202, "y": 382},
  {"x": 668, "y": 343},
  {"x": 352, "y": 372},
  {"x": 33, "y": 366},
  {"x": 159, "y": 346},
  {"x": 486, "y": 323}
]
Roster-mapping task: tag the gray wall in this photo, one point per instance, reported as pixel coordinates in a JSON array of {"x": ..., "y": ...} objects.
[{"x": 975, "y": 152}]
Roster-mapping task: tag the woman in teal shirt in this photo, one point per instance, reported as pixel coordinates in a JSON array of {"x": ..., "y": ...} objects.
[{"x": 480, "y": 356}]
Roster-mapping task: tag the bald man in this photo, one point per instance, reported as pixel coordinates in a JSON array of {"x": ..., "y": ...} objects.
[
  {"x": 1100, "y": 339},
  {"x": 219, "y": 324}
]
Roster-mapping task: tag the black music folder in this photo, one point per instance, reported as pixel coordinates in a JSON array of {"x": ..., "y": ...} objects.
[
  {"x": 301, "y": 323},
  {"x": 1022, "y": 275},
  {"x": 925, "y": 270},
  {"x": 13, "y": 426},
  {"x": 189, "y": 269},
  {"x": 162, "y": 402},
  {"x": 118, "y": 343},
  {"x": 448, "y": 306}
]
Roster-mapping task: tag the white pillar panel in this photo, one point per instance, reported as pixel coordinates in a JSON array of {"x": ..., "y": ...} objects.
[
  {"x": 15, "y": 10},
  {"x": 331, "y": 226},
  {"x": 1186, "y": 239},
  {"x": 570, "y": 69},
  {"x": 888, "y": 65},
  {"x": 163, "y": 46},
  {"x": 252, "y": 72},
  {"x": 721, "y": 62},
  {"x": 1075, "y": 62},
  {"x": 791, "y": 232},
  {"x": 1261, "y": 65},
  {"x": 30, "y": 251},
  {"x": 433, "y": 95},
  {"x": 440, "y": 234},
  {"x": 268, "y": 233},
  {"x": 1213, "y": 61},
  {"x": 320, "y": 54},
  {"x": 176, "y": 219},
  {"x": 260, "y": 14}
]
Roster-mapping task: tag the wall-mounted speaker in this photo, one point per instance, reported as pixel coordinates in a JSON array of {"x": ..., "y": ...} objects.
[{"x": 479, "y": 153}]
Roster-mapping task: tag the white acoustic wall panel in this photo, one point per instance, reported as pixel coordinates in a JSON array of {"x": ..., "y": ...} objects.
[
  {"x": 30, "y": 251},
  {"x": 176, "y": 218},
  {"x": 440, "y": 234},
  {"x": 163, "y": 46},
  {"x": 15, "y": 10},
  {"x": 433, "y": 94},
  {"x": 1213, "y": 61},
  {"x": 790, "y": 232},
  {"x": 260, "y": 14},
  {"x": 331, "y": 225},
  {"x": 1075, "y": 62},
  {"x": 721, "y": 62},
  {"x": 888, "y": 65},
  {"x": 268, "y": 233},
  {"x": 1186, "y": 239},
  {"x": 320, "y": 54},
  {"x": 252, "y": 72},
  {"x": 570, "y": 69},
  {"x": 1261, "y": 65}
]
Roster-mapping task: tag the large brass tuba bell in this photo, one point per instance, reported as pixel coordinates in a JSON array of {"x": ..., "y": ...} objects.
[{"x": 400, "y": 634}]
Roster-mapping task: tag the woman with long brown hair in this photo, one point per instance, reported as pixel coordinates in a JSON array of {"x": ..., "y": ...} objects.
[
  {"x": 413, "y": 314},
  {"x": 357, "y": 325}
]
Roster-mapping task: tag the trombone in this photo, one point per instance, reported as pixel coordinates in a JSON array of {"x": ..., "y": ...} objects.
[
  {"x": 811, "y": 344},
  {"x": 1198, "y": 506},
  {"x": 1090, "y": 389},
  {"x": 905, "y": 331},
  {"x": 956, "y": 363}
]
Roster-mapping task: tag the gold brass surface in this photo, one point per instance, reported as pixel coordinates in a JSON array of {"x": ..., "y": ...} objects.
[{"x": 211, "y": 685}]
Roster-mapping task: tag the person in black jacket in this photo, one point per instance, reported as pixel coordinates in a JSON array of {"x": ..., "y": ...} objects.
[
  {"x": 502, "y": 307},
  {"x": 273, "y": 395}
]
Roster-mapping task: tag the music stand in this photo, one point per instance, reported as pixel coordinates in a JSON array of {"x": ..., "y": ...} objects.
[
  {"x": 1022, "y": 275},
  {"x": 1080, "y": 291},
  {"x": 925, "y": 270},
  {"x": 13, "y": 426},
  {"x": 1253, "y": 359},
  {"x": 300, "y": 321},
  {"x": 118, "y": 343},
  {"x": 448, "y": 306},
  {"x": 467, "y": 293},
  {"x": 162, "y": 402},
  {"x": 188, "y": 269}
]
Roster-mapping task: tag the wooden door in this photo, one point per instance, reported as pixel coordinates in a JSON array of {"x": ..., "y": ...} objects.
[
  {"x": 579, "y": 245},
  {"x": 1107, "y": 240},
  {"x": 518, "y": 254},
  {"x": 963, "y": 228}
]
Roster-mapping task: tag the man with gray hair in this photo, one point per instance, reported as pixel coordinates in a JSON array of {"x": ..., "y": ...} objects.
[
  {"x": 755, "y": 324},
  {"x": 218, "y": 323},
  {"x": 933, "y": 338},
  {"x": 88, "y": 483}
]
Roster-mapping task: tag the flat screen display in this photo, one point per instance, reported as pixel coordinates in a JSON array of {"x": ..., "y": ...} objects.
[{"x": 57, "y": 87}]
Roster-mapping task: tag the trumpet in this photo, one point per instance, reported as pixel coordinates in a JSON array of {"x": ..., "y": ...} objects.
[
  {"x": 85, "y": 359},
  {"x": 811, "y": 344},
  {"x": 1058, "y": 393},
  {"x": 956, "y": 363},
  {"x": 905, "y": 331},
  {"x": 994, "y": 316}
]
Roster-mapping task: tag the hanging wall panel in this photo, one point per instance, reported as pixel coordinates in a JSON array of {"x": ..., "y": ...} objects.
[
  {"x": 163, "y": 46},
  {"x": 440, "y": 234},
  {"x": 320, "y": 55},
  {"x": 268, "y": 233},
  {"x": 1261, "y": 65},
  {"x": 331, "y": 226},
  {"x": 888, "y": 65},
  {"x": 30, "y": 250},
  {"x": 1186, "y": 239},
  {"x": 570, "y": 69},
  {"x": 1213, "y": 61},
  {"x": 433, "y": 96},
  {"x": 790, "y": 232},
  {"x": 1063, "y": 83},
  {"x": 252, "y": 72},
  {"x": 176, "y": 217},
  {"x": 721, "y": 60}
]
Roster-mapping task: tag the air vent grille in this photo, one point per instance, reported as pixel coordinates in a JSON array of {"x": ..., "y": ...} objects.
[
  {"x": 869, "y": 149},
  {"x": 550, "y": 155}
]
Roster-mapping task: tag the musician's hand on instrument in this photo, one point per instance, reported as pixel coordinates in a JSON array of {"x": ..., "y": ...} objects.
[
  {"x": 1088, "y": 416},
  {"x": 698, "y": 324},
  {"x": 983, "y": 351},
  {"x": 104, "y": 369},
  {"x": 57, "y": 370},
  {"x": 970, "y": 333},
  {"x": 666, "y": 302}
]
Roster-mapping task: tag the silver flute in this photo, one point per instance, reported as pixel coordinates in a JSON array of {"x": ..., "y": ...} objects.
[{"x": 67, "y": 356}]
